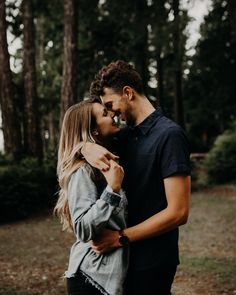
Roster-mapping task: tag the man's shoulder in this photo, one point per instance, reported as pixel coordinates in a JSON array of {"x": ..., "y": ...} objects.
[{"x": 165, "y": 127}]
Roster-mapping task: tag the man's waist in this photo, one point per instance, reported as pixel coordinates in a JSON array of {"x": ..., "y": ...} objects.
[{"x": 157, "y": 251}]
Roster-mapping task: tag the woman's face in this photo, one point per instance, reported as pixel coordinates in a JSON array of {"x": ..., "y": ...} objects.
[{"x": 106, "y": 126}]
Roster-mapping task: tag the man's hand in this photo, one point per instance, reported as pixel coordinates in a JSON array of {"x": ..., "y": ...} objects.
[
  {"x": 107, "y": 241},
  {"x": 97, "y": 156}
]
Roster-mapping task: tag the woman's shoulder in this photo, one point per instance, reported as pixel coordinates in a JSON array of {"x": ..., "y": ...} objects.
[
  {"x": 84, "y": 170},
  {"x": 81, "y": 179}
]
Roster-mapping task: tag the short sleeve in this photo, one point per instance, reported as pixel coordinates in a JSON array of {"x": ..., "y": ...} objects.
[{"x": 175, "y": 154}]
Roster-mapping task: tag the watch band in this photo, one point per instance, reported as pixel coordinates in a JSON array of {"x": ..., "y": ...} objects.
[
  {"x": 123, "y": 239},
  {"x": 121, "y": 232}
]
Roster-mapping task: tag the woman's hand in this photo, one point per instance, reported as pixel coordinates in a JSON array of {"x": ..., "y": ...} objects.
[
  {"x": 97, "y": 156},
  {"x": 114, "y": 176}
]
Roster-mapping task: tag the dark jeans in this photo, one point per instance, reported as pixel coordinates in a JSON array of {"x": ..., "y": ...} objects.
[
  {"x": 78, "y": 286},
  {"x": 152, "y": 281}
]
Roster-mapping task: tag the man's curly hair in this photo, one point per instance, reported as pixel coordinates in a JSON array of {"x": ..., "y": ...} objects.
[{"x": 115, "y": 76}]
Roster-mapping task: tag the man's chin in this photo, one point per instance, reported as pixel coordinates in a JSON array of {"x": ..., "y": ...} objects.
[
  {"x": 129, "y": 119},
  {"x": 130, "y": 123}
]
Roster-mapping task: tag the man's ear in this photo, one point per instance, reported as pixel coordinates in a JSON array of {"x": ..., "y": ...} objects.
[{"x": 128, "y": 92}]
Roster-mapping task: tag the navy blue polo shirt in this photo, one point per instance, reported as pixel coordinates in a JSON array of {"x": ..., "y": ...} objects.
[{"x": 153, "y": 150}]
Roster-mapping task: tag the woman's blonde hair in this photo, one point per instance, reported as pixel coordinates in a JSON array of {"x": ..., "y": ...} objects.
[{"x": 76, "y": 129}]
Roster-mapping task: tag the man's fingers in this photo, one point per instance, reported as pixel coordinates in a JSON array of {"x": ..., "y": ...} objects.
[
  {"x": 94, "y": 243},
  {"x": 104, "y": 167},
  {"x": 96, "y": 248},
  {"x": 96, "y": 251},
  {"x": 104, "y": 164},
  {"x": 111, "y": 156}
]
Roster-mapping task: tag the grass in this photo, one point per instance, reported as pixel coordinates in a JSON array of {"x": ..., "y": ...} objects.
[
  {"x": 34, "y": 256},
  {"x": 208, "y": 243},
  {"x": 34, "y": 252}
]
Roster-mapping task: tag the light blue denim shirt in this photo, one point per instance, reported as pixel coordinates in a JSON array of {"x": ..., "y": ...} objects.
[{"x": 91, "y": 214}]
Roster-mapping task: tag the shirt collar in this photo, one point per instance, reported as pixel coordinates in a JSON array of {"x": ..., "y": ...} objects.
[{"x": 147, "y": 124}]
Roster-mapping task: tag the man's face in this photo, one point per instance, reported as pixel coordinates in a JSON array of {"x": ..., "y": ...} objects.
[{"x": 119, "y": 104}]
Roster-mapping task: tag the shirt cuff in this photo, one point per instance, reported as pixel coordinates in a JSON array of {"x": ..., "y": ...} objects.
[
  {"x": 110, "y": 190},
  {"x": 110, "y": 197}
]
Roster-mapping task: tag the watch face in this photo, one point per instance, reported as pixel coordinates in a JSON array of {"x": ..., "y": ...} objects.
[{"x": 124, "y": 241}]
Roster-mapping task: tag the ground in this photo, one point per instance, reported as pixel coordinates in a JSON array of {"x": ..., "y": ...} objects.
[{"x": 34, "y": 252}]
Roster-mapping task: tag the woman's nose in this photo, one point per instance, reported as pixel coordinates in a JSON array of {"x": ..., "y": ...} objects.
[{"x": 111, "y": 114}]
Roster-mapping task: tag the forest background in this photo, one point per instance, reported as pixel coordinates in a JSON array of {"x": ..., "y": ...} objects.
[{"x": 63, "y": 43}]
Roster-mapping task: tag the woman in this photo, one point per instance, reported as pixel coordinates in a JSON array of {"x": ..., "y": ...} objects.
[{"x": 90, "y": 201}]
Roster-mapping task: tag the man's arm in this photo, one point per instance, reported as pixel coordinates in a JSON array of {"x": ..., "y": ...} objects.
[
  {"x": 177, "y": 190},
  {"x": 97, "y": 156}
]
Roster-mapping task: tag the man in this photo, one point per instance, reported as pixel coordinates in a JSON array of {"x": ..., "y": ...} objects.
[{"x": 154, "y": 153}]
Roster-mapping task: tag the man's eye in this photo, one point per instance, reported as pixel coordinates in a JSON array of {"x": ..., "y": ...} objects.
[{"x": 109, "y": 105}]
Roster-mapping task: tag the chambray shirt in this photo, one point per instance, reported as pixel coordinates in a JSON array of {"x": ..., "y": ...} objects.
[
  {"x": 150, "y": 152},
  {"x": 91, "y": 213}
]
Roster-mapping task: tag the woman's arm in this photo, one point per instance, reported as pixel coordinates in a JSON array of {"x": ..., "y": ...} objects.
[{"x": 89, "y": 213}]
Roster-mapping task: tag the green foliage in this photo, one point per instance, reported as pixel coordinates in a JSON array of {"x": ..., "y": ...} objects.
[
  {"x": 221, "y": 161},
  {"x": 4, "y": 159},
  {"x": 26, "y": 188},
  {"x": 138, "y": 32},
  {"x": 210, "y": 88}
]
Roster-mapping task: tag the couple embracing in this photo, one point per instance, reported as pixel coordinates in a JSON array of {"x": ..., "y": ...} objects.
[{"x": 123, "y": 192}]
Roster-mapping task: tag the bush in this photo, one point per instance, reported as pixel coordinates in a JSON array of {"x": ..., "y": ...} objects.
[
  {"x": 221, "y": 160},
  {"x": 26, "y": 188},
  {"x": 4, "y": 159}
]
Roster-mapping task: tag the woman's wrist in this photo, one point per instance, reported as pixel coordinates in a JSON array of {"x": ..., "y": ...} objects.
[{"x": 113, "y": 188}]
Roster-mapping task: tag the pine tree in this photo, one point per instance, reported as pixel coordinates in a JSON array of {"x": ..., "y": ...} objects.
[
  {"x": 10, "y": 121},
  {"x": 33, "y": 141},
  {"x": 69, "y": 87}
]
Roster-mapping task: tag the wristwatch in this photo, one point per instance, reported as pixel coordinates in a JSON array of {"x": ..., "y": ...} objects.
[{"x": 123, "y": 239}]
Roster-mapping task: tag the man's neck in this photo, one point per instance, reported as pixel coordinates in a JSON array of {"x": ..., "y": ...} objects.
[{"x": 142, "y": 109}]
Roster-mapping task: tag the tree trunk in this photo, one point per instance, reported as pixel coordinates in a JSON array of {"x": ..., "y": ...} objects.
[
  {"x": 10, "y": 122},
  {"x": 178, "y": 100},
  {"x": 232, "y": 18},
  {"x": 160, "y": 98},
  {"x": 141, "y": 52},
  {"x": 68, "y": 89},
  {"x": 33, "y": 140},
  {"x": 53, "y": 130}
]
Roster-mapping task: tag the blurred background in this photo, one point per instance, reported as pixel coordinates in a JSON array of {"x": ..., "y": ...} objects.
[{"x": 185, "y": 51}]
